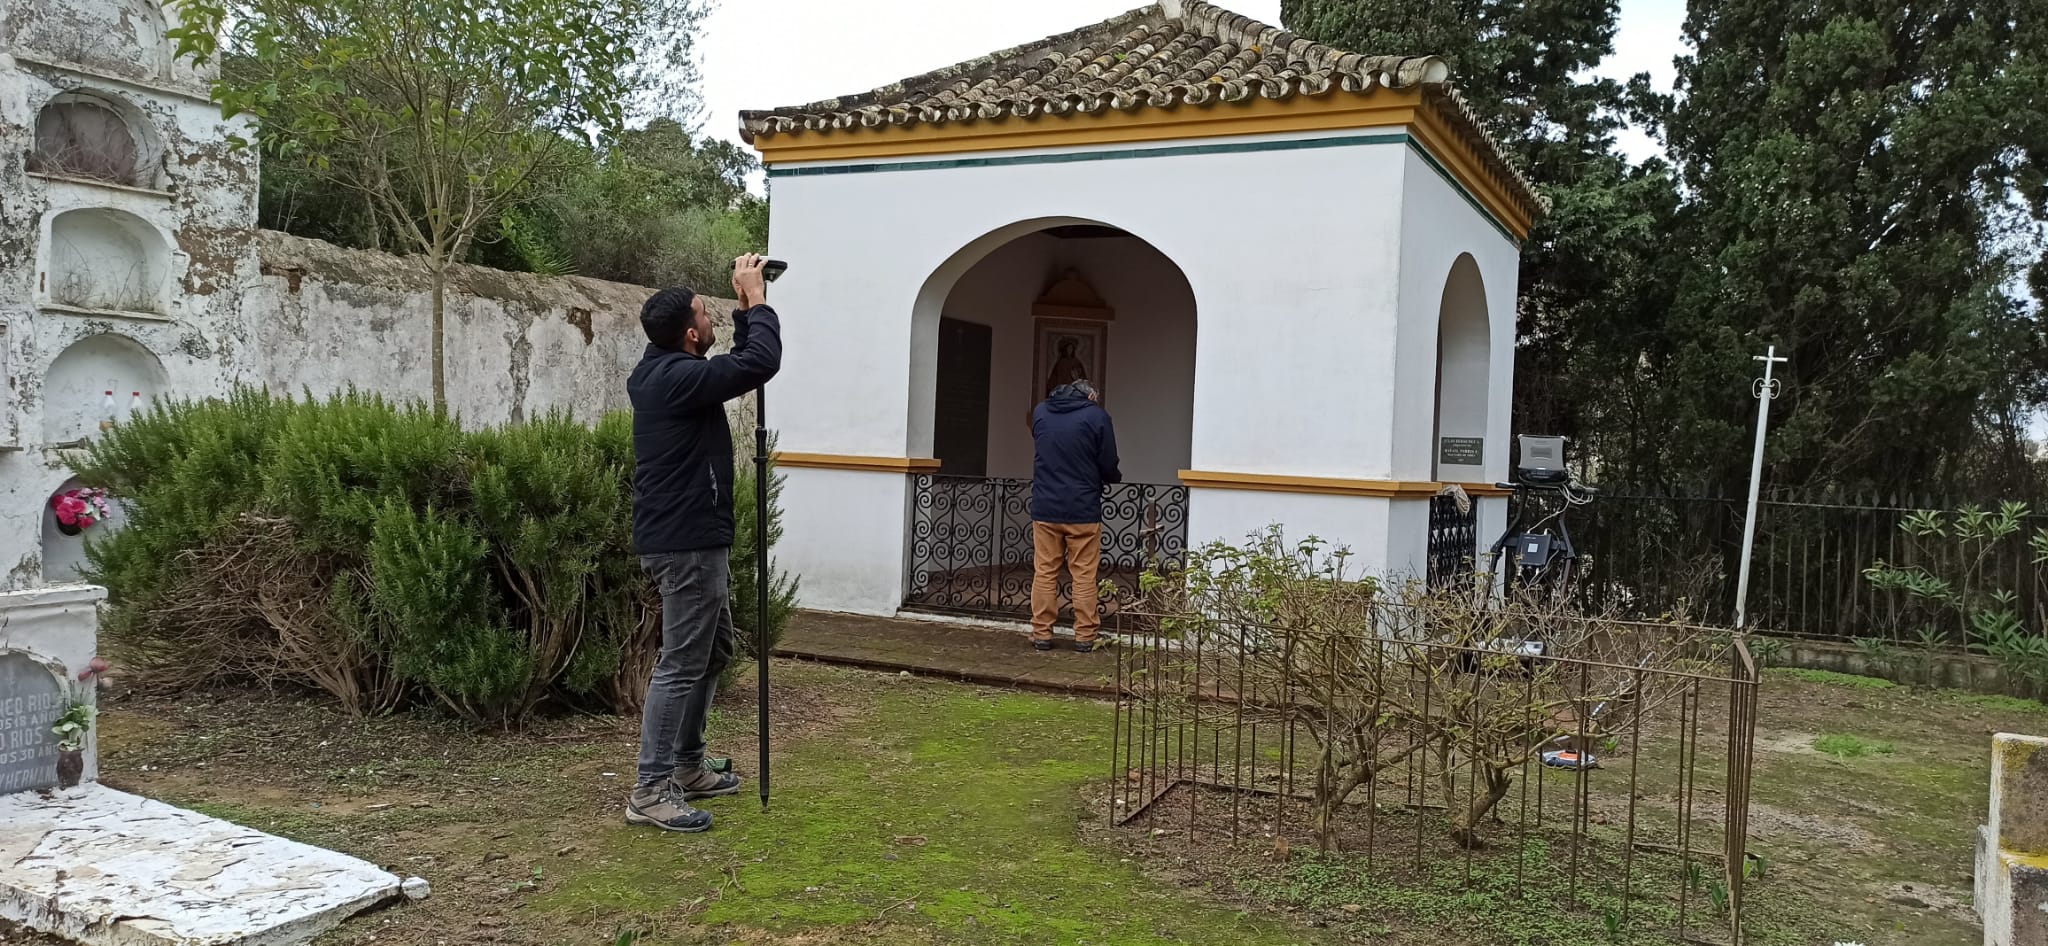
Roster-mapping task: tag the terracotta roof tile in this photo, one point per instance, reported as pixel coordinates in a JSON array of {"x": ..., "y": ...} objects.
[{"x": 1160, "y": 56}]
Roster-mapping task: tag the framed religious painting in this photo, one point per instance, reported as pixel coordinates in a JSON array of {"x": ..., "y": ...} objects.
[{"x": 1069, "y": 350}]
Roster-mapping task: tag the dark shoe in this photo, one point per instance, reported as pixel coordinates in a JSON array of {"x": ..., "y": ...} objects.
[
  {"x": 1041, "y": 645},
  {"x": 660, "y": 806},
  {"x": 1089, "y": 647},
  {"x": 700, "y": 782}
]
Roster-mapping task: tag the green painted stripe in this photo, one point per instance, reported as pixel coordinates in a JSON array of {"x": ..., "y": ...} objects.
[
  {"x": 1416, "y": 146},
  {"x": 1076, "y": 157}
]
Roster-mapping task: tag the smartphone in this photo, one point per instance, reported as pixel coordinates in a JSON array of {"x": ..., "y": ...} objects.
[{"x": 771, "y": 268}]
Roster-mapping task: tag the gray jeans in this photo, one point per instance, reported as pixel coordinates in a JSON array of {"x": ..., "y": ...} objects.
[{"x": 696, "y": 646}]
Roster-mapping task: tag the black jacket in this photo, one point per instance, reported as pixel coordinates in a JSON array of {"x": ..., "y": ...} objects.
[
  {"x": 1075, "y": 454},
  {"x": 682, "y": 445}
]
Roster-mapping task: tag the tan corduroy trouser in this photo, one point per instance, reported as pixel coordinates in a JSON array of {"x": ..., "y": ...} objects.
[{"x": 1079, "y": 547}]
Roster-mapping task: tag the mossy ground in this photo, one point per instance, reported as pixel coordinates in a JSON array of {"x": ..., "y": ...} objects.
[
  {"x": 905, "y": 811},
  {"x": 916, "y": 812}
]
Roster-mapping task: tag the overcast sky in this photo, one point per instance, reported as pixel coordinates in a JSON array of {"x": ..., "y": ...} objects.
[{"x": 768, "y": 53}]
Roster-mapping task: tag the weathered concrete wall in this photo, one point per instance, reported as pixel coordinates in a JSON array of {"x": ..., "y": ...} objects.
[
  {"x": 307, "y": 316},
  {"x": 518, "y": 345},
  {"x": 130, "y": 263},
  {"x": 124, "y": 285}
]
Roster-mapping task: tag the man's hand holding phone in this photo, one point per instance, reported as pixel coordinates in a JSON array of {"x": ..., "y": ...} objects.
[{"x": 748, "y": 284}]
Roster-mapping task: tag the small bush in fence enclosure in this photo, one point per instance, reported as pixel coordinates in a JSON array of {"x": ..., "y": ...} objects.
[
  {"x": 384, "y": 555},
  {"x": 1973, "y": 576},
  {"x": 1267, "y": 677}
]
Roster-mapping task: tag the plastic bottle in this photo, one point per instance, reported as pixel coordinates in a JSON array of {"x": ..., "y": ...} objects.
[
  {"x": 134, "y": 404},
  {"x": 107, "y": 413}
]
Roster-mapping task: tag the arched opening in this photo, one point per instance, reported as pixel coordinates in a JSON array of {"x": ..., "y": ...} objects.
[
  {"x": 74, "y": 514},
  {"x": 85, "y": 376},
  {"x": 1463, "y": 373},
  {"x": 999, "y": 324},
  {"x": 108, "y": 260},
  {"x": 93, "y": 138}
]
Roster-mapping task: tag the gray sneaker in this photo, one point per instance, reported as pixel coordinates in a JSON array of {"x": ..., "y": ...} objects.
[
  {"x": 700, "y": 782},
  {"x": 663, "y": 807}
]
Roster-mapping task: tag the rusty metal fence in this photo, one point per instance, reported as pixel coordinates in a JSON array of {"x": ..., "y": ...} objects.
[{"x": 1612, "y": 787}]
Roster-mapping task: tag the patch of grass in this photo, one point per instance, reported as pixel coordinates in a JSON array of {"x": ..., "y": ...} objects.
[
  {"x": 2002, "y": 703},
  {"x": 1831, "y": 678},
  {"x": 1846, "y": 746},
  {"x": 946, "y": 811}
]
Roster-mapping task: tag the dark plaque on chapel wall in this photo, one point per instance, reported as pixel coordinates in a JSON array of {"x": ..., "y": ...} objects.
[
  {"x": 1461, "y": 451},
  {"x": 31, "y": 699}
]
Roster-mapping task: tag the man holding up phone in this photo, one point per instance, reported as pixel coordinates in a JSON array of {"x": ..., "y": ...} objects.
[{"x": 683, "y": 528}]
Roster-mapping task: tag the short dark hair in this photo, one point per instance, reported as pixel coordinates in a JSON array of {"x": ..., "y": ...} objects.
[{"x": 667, "y": 315}]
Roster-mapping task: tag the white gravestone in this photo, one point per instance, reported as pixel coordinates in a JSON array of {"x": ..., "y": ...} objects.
[
  {"x": 106, "y": 868},
  {"x": 32, "y": 696}
]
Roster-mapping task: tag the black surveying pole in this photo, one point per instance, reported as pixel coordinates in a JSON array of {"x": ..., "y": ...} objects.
[{"x": 761, "y": 576}]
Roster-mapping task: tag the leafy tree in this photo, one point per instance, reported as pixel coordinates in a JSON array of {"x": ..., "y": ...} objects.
[
  {"x": 1856, "y": 172},
  {"x": 656, "y": 208},
  {"x": 440, "y": 113},
  {"x": 1857, "y": 182}
]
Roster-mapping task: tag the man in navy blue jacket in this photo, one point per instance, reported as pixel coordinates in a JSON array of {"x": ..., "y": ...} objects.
[
  {"x": 1075, "y": 455},
  {"x": 683, "y": 528}
]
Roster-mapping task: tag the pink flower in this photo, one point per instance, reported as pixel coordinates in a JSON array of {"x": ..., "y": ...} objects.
[
  {"x": 83, "y": 507},
  {"x": 69, "y": 508}
]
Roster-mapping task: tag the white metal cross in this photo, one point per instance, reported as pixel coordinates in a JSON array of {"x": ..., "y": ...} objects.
[{"x": 1765, "y": 389}]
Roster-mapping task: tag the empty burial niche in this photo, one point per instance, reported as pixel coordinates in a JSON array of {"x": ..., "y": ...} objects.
[
  {"x": 75, "y": 388},
  {"x": 107, "y": 259},
  {"x": 86, "y": 137}
]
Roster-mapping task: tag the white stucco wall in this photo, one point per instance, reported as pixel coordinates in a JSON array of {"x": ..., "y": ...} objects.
[
  {"x": 1439, "y": 226},
  {"x": 1304, "y": 255}
]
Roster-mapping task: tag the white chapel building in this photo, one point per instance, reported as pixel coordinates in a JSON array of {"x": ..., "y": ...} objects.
[{"x": 1290, "y": 268}]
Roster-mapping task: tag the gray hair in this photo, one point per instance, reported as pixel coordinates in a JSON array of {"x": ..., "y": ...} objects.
[{"x": 1084, "y": 387}]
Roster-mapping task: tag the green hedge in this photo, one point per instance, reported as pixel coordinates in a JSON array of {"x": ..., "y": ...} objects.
[{"x": 384, "y": 555}]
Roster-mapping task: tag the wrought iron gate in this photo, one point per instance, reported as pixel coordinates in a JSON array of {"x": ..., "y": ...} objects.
[
  {"x": 970, "y": 541},
  {"x": 1453, "y": 541}
]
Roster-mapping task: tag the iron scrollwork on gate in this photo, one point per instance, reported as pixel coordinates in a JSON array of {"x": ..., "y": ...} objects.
[
  {"x": 971, "y": 547},
  {"x": 1453, "y": 541}
]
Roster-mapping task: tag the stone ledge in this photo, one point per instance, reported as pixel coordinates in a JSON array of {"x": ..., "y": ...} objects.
[{"x": 112, "y": 869}]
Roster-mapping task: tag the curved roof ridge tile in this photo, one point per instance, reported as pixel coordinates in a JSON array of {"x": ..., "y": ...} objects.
[{"x": 1164, "y": 55}]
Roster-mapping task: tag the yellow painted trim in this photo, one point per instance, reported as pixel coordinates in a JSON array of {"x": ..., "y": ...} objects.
[
  {"x": 1465, "y": 165},
  {"x": 1326, "y": 486},
  {"x": 835, "y": 461},
  {"x": 1256, "y": 116},
  {"x": 1484, "y": 489},
  {"x": 1330, "y": 486},
  {"x": 1331, "y": 111}
]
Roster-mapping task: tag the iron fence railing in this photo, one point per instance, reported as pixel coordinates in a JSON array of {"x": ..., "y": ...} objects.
[
  {"x": 1645, "y": 555},
  {"x": 971, "y": 549}
]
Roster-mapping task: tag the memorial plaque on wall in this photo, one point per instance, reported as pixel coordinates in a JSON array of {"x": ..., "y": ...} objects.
[
  {"x": 31, "y": 699},
  {"x": 1461, "y": 451}
]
